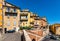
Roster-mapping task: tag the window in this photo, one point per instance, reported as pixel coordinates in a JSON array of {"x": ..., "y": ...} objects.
[
  {"x": 7, "y": 14},
  {"x": 14, "y": 17},
  {"x": 43, "y": 27},
  {"x": 24, "y": 17},
  {"x": 26, "y": 22},
  {"x": 10, "y": 14},
  {"x": 56, "y": 27},
  {"x": 15, "y": 14},
  {"x": 36, "y": 22},
  {"x": 3, "y": 3},
  {"x": 8, "y": 23},
  {"x": 8, "y": 9},
  {"x": 23, "y": 23},
  {"x": 14, "y": 23},
  {"x": 14, "y": 10}
]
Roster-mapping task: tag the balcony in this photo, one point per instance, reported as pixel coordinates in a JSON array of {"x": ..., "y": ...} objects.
[
  {"x": 24, "y": 19},
  {"x": 12, "y": 10},
  {"x": 36, "y": 25},
  {"x": 33, "y": 16},
  {"x": 23, "y": 14},
  {"x": 10, "y": 14},
  {"x": 32, "y": 22},
  {"x": 37, "y": 18}
]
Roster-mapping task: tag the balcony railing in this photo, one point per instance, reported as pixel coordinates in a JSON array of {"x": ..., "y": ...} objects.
[
  {"x": 23, "y": 14},
  {"x": 10, "y": 14},
  {"x": 36, "y": 25},
  {"x": 24, "y": 19},
  {"x": 32, "y": 22},
  {"x": 33, "y": 16},
  {"x": 13, "y": 10},
  {"x": 37, "y": 18}
]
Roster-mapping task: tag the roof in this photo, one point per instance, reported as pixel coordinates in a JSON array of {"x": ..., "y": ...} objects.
[
  {"x": 12, "y": 4},
  {"x": 25, "y": 10},
  {"x": 56, "y": 25}
]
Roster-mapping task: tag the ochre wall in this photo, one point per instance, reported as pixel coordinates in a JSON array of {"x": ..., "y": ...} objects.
[{"x": 1, "y": 1}]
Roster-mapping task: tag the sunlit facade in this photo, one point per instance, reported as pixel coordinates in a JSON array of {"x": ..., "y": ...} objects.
[
  {"x": 24, "y": 18},
  {"x": 11, "y": 16},
  {"x": 1, "y": 11},
  {"x": 27, "y": 18},
  {"x": 55, "y": 29}
]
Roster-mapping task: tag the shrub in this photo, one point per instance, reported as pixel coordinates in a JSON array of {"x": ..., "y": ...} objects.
[{"x": 27, "y": 28}]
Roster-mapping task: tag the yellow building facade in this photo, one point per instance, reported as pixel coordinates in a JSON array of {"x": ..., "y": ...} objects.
[
  {"x": 1, "y": 11},
  {"x": 55, "y": 29},
  {"x": 31, "y": 19},
  {"x": 11, "y": 16},
  {"x": 27, "y": 18},
  {"x": 32, "y": 16}
]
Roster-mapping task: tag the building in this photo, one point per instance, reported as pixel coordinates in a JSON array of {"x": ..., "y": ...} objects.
[
  {"x": 25, "y": 18},
  {"x": 36, "y": 21},
  {"x": 32, "y": 19},
  {"x": 41, "y": 30},
  {"x": 1, "y": 1},
  {"x": 44, "y": 22},
  {"x": 40, "y": 22},
  {"x": 11, "y": 16},
  {"x": 55, "y": 29}
]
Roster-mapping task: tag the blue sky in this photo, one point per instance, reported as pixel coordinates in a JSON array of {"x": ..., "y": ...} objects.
[{"x": 48, "y": 8}]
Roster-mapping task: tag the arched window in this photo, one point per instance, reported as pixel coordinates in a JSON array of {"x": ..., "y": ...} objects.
[{"x": 33, "y": 39}]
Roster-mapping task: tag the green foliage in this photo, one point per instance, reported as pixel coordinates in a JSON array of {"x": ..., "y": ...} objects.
[{"x": 27, "y": 28}]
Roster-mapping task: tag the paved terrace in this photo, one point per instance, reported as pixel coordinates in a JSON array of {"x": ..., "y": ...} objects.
[{"x": 12, "y": 37}]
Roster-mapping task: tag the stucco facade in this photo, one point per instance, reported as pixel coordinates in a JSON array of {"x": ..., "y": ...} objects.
[
  {"x": 11, "y": 16},
  {"x": 1, "y": 11},
  {"x": 55, "y": 29},
  {"x": 28, "y": 18},
  {"x": 25, "y": 18},
  {"x": 40, "y": 23},
  {"x": 14, "y": 17}
]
